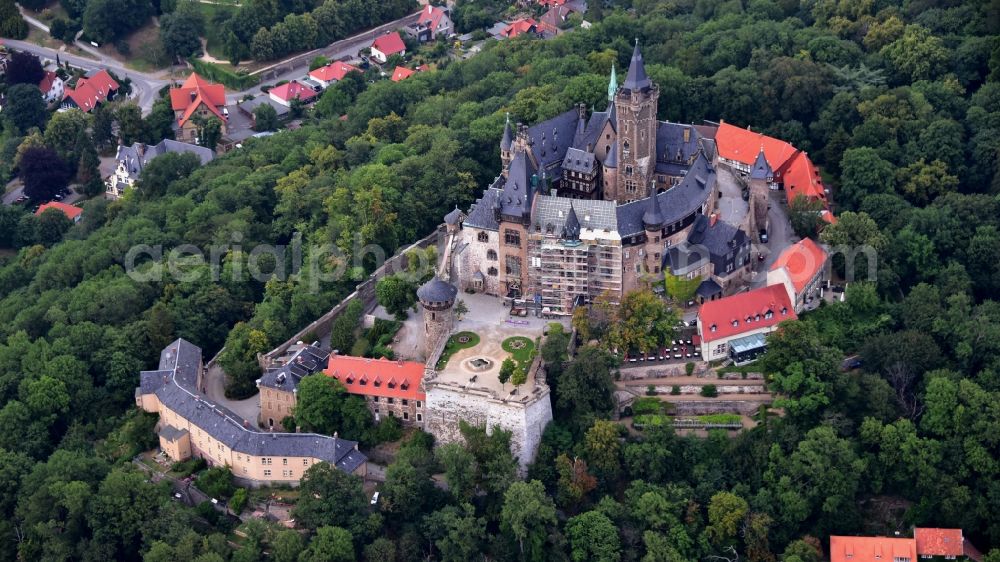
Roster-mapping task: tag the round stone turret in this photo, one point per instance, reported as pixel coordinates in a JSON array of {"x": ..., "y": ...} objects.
[{"x": 437, "y": 297}]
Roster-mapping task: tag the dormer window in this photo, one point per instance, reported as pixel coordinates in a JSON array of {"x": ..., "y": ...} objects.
[
  {"x": 757, "y": 318},
  {"x": 768, "y": 314},
  {"x": 784, "y": 310},
  {"x": 736, "y": 323},
  {"x": 350, "y": 379},
  {"x": 363, "y": 381},
  {"x": 377, "y": 383}
]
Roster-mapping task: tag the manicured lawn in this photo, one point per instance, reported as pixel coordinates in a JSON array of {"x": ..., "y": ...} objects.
[
  {"x": 455, "y": 343},
  {"x": 522, "y": 349},
  {"x": 650, "y": 420},
  {"x": 719, "y": 418}
]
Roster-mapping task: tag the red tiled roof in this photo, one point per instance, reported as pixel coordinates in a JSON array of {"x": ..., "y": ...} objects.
[
  {"x": 193, "y": 93},
  {"x": 551, "y": 2},
  {"x": 431, "y": 16},
  {"x": 390, "y": 44},
  {"x": 802, "y": 178},
  {"x": 333, "y": 72},
  {"x": 802, "y": 260},
  {"x": 293, "y": 90},
  {"x": 46, "y": 84},
  {"x": 755, "y": 305},
  {"x": 402, "y": 73},
  {"x": 377, "y": 377},
  {"x": 939, "y": 542},
  {"x": 743, "y": 145},
  {"x": 871, "y": 549},
  {"x": 519, "y": 27},
  {"x": 84, "y": 96},
  {"x": 102, "y": 82},
  {"x": 70, "y": 211}
]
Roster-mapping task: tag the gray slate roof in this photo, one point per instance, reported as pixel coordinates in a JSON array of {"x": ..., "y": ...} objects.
[
  {"x": 761, "y": 170},
  {"x": 175, "y": 385},
  {"x": 137, "y": 156},
  {"x": 717, "y": 241},
  {"x": 453, "y": 216},
  {"x": 249, "y": 105},
  {"x": 708, "y": 289},
  {"x": 636, "y": 79},
  {"x": 298, "y": 362},
  {"x": 555, "y": 212},
  {"x": 482, "y": 213},
  {"x": 578, "y": 161},
  {"x": 518, "y": 189},
  {"x": 550, "y": 139},
  {"x": 437, "y": 290},
  {"x": 508, "y": 136},
  {"x": 670, "y": 144},
  {"x": 676, "y": 203}
]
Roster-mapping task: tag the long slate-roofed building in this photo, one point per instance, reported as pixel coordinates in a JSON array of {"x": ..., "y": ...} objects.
[
  {"x": 628, "y": 185},
  {"x": 191, "y": 425}
]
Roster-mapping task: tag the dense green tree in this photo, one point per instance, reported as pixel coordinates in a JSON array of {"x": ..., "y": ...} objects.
[
  {"x": 527, "y": 514},
  {"x": 592, "y": 536},
  {"x": 456, "y": 531},
  {"x": 396, "y": 294},
  {"x": 180, "y": 30},
  {"x": 23, "y": 68},
  {"x": 265, "y": 118},
  {"x": 24, "y": 107},
  {"x": 330, "y": 497},
  {"x": 44, "y": 173},
  {"x": 331, "y": 544}
]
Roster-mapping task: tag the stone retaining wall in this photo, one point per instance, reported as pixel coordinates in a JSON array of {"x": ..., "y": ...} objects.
[
  {"x": 714, "y": 407},
  {"x": 721, "y": 388}
]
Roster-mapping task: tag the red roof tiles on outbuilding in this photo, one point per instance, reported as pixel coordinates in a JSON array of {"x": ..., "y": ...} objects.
[{"x": 939, "y": 542}]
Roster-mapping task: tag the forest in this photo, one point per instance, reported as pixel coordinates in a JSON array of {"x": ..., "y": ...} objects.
[{"x": 898, "y": 102}]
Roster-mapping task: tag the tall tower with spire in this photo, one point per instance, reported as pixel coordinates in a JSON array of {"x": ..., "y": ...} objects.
[
  {"x": 761, "y": 176},
  {"x": 635, "y": 106},
  {"x": 612, "y": 85},
  {"x": 505, "y": 144}
]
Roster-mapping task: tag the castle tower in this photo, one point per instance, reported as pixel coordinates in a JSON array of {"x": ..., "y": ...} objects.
[
  {"x": 761, "y": 176},
  {"x": 437, "y": 297},
  {"x": 505, "y": 145},
  {"x": 653, "y": 222},
  {"x": 635, "y": 107}
]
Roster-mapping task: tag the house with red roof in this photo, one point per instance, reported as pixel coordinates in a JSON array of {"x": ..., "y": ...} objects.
[
  {"x": 333, "y": 72},
  {"x": 433, "y": 22},
  {"x": 51, "y": 87},
  {"x": 524, "y": 26},
  {"x": 401, "y": 73},
  {"x": 194, "y": 102},
  {"x": 388, "y": 45},
  {"x": 947, "y": 543},
  {"x": 90, "y": 91},
  {"x": 294, "y": 90},
  {"x": 927, "y": 542},
  {"x": 72, "y": 213},
  {"x": 735, "y": 327},
  {"x": 872, "y": 549},
  {"x": 390, "y": 388},
  {"x": 802, "y": 268}
]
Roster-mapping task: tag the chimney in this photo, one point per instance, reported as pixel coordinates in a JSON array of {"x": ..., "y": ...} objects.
[
  {"x": 687, "y": 134},
  {"x": 581, "y": 109},
  {"x": 713, "y": 218},
  {"x": 194, "y": 94}
]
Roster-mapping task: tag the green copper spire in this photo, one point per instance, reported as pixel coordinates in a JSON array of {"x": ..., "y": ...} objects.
[{"x": 612, "y": 84}]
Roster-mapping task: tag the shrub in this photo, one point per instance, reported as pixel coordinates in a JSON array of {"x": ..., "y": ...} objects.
[
  {"x": 709, "y": 391},
  {"x": 675, "y": 390},
  {"x": 361, "y": 348},
  {"x": 651, "y": 390},
  {"x": 217, "y": 482},
  {"x": 239, "y": 501},
  {"x": 188, "y": 467},
  {"x": 689, "y": 368},
  {"x": 647, "y": 406}
]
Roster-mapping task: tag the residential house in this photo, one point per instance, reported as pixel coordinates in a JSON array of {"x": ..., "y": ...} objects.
[
  {"x": 401, "y": 73},
  {"x": 246, "y": 109},
  {"x": 735, "y": 327},
  {"x": 434, "y": 22},
  {"x": 72, "y": 213},
  {"x": 325, "y": 76},
  {"x": 519, "y": 27},
  {"x": 193, "y": 426},
  {"x": 390, "y": 388},
  {"x": 91, "y": 90},
  {"x": 285, "y": 93},
  {"x": 195, "y": 102},
  {"x": 51, "y": 87},
  {"x": 133, "y": 159},
  {"x": 388, "y": 45},
  {"x": 948, "y": 544},
  {"x": 557, "y": 16},
  {"x": 802, "y": 268}
]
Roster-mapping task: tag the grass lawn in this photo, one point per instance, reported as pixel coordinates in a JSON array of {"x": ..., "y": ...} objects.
[
  {"x": 521, "y": 349},
  {"x": 212, "y": 31},
  {"x": 455, "y": 343},
  {"x": 650, "y": 420},
  {"x": 719, "y": 418}
]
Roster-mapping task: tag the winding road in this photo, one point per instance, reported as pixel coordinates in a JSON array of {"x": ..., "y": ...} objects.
[{"x": 145, "y": 86}]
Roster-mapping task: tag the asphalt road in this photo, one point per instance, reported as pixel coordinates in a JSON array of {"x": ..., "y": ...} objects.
[{"x": 144, "y": 86}]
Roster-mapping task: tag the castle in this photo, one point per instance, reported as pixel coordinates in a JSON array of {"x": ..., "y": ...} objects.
[{"x": 589, "y": 206}]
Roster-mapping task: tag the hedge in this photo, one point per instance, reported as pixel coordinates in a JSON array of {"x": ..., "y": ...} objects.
[{"x": 228, "y": 78}]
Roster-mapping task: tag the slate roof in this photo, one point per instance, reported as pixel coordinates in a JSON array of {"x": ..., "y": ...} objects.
[
  {"x": 249, "y": 105},
  {"x": 298, "y": 362},
  {"x": 612, "y": 159},
  {"x": 508, "y": 136},
  {"x": 676, "y": 203},
  {"x": 175, "y": 385},
  {"x": 577, "y": 160},
  {"x": 670, "y": 143},
  {"x": 137, "y": 156},
  {"x": 636, "y": 79},
  {"x": 482, "y": 213},
  {"x": 171, "y": 433},
  {"x": 571, "y": 230},
  {"x": 437, "y": 290},
  {"x": 518, "y": 189},
  {"x": 653, "y": 216},
  {"x": 761, "y": 170},
  {"x": 550, "y": 139},
  {"x": 454, "y": 216},
  {"x": 708, "y": 289}
]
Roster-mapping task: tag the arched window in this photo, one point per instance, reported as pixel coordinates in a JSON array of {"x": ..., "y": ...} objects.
[
  {"x": 491, "y": 255},
  {"x": 484, "y": 236}
]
